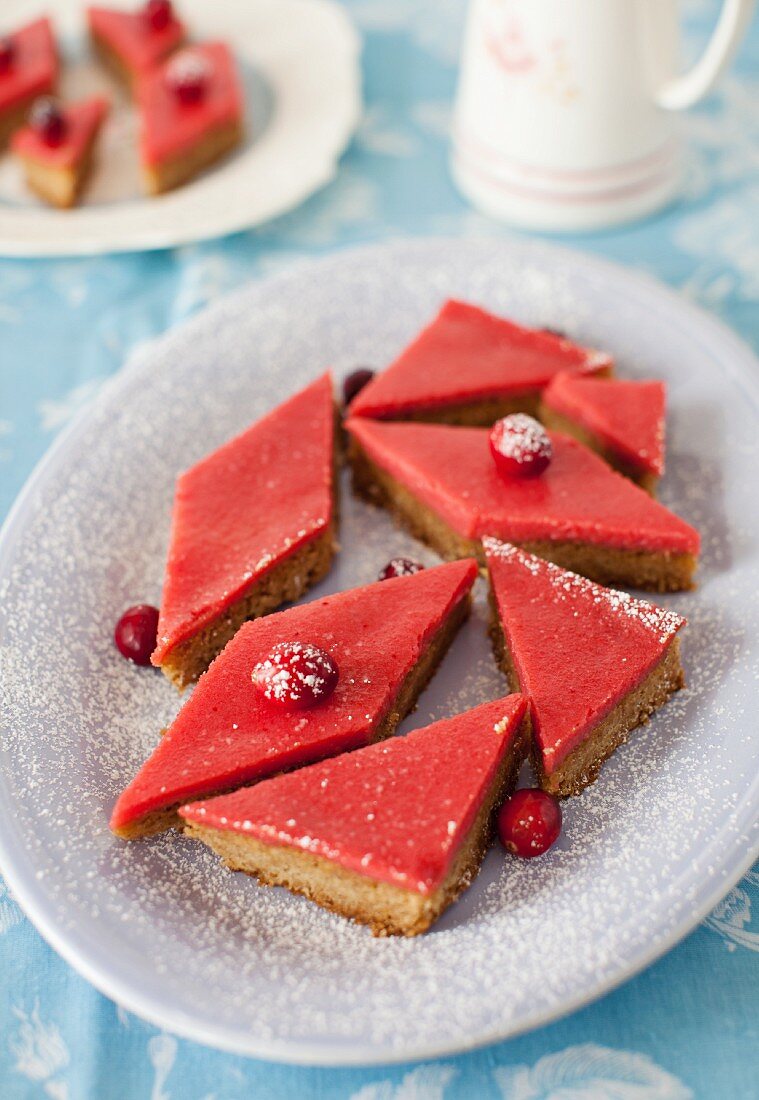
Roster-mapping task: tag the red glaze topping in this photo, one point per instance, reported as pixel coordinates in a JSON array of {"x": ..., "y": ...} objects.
[
  {"x": 626, "y": 416},
  {"x": 170, "y": 125},
  {"x": 228, "y": 734},
  {"x": 529, "y": 822},
  {"x": 33, "y": 66},
  {"x": 135, "y": 633},
  {"x": 520, "y": 446},
  {"x": 81, "y": 123},
  {"x": 578, "y": 648},
  {"x": 246, "y": 507},
  {"x": 399, "y": 567},
  {"x": 296, "y": 676},
  {"x": 133, "y": 36},
  {"x": 395, "y": 812},
  {"x": 467, "y": 354},
  {"x": 578, "y": 498}
]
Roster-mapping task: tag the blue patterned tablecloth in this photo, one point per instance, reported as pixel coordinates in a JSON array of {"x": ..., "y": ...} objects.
[{"x": 688, "y": 1026}]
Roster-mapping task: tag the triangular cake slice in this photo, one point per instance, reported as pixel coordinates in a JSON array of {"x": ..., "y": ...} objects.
[
  {"x": 31, "y": 70},
  {"x": 386, "y": 640},
  {"x": 389, "y": 835},
  {"x": 443, "y": 484},
  {"x": 620, "y": 419},
  {"x": 470, "y": 367},
  {"x": 253, "y": 527},
  {"x": 131, "y": 43},
  {"x": 595, "y": 663},
  {"x": 180, "y": 138},
  {"x": 57, "y": 173}
]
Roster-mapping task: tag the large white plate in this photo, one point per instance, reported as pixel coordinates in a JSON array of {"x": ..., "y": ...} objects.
[
  {"x": 158, "y": 925},
  {"x": 299, "y": 63}
]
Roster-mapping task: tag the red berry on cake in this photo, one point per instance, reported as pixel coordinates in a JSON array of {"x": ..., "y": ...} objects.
[
  {"x": 188, "y": 75},
  {"x": 355, "y": 382},
  {"x": 7, "y": 53},
  {"x": 400, "y": 567},
  {"x": 135, "y": 633},
  {"x": 158, "y": 13},
  {"x": 48, "y": 120},
  {"x": 520, "y": 446},
  {"x": 296, "y": 675},
  {"x": 529, "y": 822}
]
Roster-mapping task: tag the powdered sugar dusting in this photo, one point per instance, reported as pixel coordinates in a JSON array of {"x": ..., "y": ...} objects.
[{"x": 642, "y": 850}]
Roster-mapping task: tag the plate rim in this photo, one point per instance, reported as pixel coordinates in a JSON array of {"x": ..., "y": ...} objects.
[
  {"x": 92, "y": 240},
  {"x": 340, "y": 1053}
]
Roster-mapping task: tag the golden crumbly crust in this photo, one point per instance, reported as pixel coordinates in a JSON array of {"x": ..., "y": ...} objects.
[
  {"x": 180, "y": 169},
  {"x": 583, "y": 765},
  {"x": 60, "y": 187},
  {"x": 404, "y": 703},
  {"x": 556, "y": 422},
  {"x": 651, "y": 570},
  {"x": 388, "y": 910}
]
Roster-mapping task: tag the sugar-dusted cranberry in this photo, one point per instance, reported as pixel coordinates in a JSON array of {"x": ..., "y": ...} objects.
[
  {"x": 135, "y": 633},
  {"x": 355, "y": 382},
  {"x": 529, "y": 822},
  {"x": 400, "y": 567},
  {"x": 48, "y": 120},
  {"x": 159, "y": 14},
  {"x": 7, "y": 53},
  {"x": 188, "y": 75},
  {"x": 296, "y": 675},
  {"x": 520, "y": 446}
]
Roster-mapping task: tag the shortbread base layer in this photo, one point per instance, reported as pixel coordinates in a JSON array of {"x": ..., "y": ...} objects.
[
  {"x": 389, "y": 910},
  {"x": 655, "y": 571},
  {"x": 157, "y": 821},
  {"x": 180, "y": 169}
]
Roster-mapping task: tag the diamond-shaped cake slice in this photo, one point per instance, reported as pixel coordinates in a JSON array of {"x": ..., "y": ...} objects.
[
  {"x": 389, "y": 835},
  {"x": 595, "y": 663},
  {"x": 470, "y": 367},
  {"x": 386, "y": 640},
  {"x": 253, "y": 527}
]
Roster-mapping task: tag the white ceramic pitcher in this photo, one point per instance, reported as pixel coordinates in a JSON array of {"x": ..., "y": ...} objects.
[{"x": 564, "y": 117}]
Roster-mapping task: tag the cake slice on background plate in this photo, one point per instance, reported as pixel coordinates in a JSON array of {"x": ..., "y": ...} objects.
[
  {"x": 470, "y": 367},
  {"x": 191, "y": 115},
  {"x": 131, "y": 43},
  {"x": 443, "y": 484},
  {"x": 389, "y": 835},
  {"x": 622, "y": 420},
  {"x": 28, "y": 69},
  {"x": 56, "y": 147},
  {"x": 295, "y": 687},
  {"x": 595, "y": 663},
  {"x": 254, "y": 526}
]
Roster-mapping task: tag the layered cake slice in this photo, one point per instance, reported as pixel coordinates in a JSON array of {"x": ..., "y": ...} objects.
[
  {"x": 621, "y": 420},
  {"x": 296, "y": 687},
  {"x": 253, "y": 526},
  {"x": 191, "y": 111},
  {"x": 595, "y": 663},
  {"x": 471, "y": 367},
  {"x": 444, "y": 485},
  {"x": 389, "y": 835},
  {"x": 56, "y": 147},
  {"x": 28, "y": 69},
  {"x": 131, "y": 43}
]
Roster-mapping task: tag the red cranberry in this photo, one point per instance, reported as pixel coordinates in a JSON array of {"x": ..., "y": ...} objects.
[
  {"x": 520, "y": 446},
  {"x": 355, "y": 382},
  {"x": 136, "y": 632},
  {"x": 7, "y": 54},
  {"x": 48, "y": 120},
  {"x": 187, "y": 75},
  {"x": 529, "y": 822},
  {"x": 159, "y": 14},
  {"x": 296, "y": 675},
  {"x": 400, "y": 567}
]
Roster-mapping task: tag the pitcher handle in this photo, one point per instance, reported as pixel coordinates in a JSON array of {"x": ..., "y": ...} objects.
[{"x": 683, "y": 91}]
